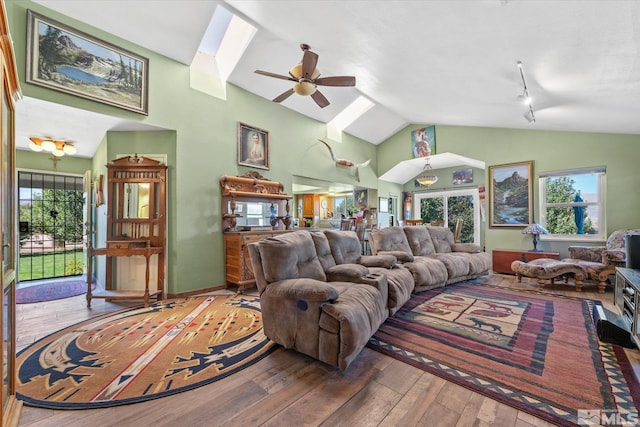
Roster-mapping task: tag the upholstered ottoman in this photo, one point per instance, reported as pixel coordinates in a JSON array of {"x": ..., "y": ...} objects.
[{"x": 549, "y": 269}]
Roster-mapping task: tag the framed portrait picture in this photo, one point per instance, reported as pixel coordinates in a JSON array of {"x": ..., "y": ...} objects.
[
  {"x": 67, "y": 60},
  {"x": 423, "y": 142},
  {"x": 510, "y": 194},
  {"x": 253, "y": 146}
]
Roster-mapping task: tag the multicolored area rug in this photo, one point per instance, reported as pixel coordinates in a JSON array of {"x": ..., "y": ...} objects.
[
  {"x": 533, "y": 351},
  {"x": 50, "y": 291},
  {"x": 143, "y": 353}
]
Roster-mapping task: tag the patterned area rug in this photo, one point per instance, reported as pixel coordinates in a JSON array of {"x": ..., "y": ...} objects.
[
  {"x": 50, "y": 291},
  {"x": 143, "y": 353},
  {"x": 533, "y": 351}
]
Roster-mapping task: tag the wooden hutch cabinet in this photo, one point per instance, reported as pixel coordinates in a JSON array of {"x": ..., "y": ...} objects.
[
  {"x": 10, "y": 407},
  {"x": 136, "y": 224},
  {"x": 253, "y": 208}
]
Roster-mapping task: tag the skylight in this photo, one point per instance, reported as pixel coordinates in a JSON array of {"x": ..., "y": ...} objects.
[
  {"x": 347, "y": 116},
  {"x": 220, "y": 50}
]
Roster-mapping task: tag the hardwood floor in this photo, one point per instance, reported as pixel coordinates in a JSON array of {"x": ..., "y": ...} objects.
[{"x": 290, "y": 389}]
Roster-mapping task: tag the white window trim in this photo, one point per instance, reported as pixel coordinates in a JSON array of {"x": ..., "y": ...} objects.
[
  {"x": 602, "y": 214},
  {"x": 417, "y": 197}
]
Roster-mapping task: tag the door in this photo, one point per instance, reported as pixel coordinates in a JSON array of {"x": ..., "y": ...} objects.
[
  {"x": 87, "y": 225},
  {"x": 51, "y": 217},
  {"x": 450, "y": 206}
]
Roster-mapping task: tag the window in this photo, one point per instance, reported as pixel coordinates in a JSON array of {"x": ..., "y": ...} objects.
[
  {"x": 572, "y": 204},
  {"x": 450, "y": 206},
  {"x": 254, "y": 214},
  {"x": 344, "y": 205}
]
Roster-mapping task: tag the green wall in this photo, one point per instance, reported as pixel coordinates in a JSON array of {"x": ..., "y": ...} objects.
[
  {"x": 204, "y": 145},
  {"x": 201, "y": 140},
  {"x": 550, "y": 151}
]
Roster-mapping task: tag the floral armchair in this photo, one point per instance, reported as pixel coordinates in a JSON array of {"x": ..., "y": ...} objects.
[{"x": 601, "y": 261}]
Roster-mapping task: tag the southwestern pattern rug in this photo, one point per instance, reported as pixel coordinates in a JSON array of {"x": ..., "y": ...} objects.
[
  {"x": 139, "y": 354},
  {"x": 533, "y": 351}
]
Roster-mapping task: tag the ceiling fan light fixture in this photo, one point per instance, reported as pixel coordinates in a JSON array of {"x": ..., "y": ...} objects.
[
  {"x": 304, "y": 88},
  {"x": 296, "y": 72}
]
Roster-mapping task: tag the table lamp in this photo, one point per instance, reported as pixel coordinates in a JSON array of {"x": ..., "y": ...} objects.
[{"x": 535, "y": 229}]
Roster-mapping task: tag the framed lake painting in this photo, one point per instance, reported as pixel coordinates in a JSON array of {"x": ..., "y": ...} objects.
[
  {"x": 510, "y": 194},
  {"x": 67, "y": 60}
]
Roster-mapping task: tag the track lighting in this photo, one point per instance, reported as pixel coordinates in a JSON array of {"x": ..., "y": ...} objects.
[{"x": 525, "y": 98}]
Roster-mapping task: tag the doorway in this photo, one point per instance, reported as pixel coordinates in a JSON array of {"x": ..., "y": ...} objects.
[
  {"x": 50, "y": 226},
  {"x": 451, "y": 206}
]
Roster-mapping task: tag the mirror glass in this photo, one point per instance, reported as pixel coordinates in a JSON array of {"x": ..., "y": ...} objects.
[
  {"x": 136, "y": 200},
  {"x": 256, "y": 213}
]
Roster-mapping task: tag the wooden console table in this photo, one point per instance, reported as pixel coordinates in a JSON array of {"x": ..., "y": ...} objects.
[
  {"x": 502, "y": 258},
  {"x": 124, "y": 248}
]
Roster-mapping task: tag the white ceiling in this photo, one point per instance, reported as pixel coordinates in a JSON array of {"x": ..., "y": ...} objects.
[{"x": 424, "y": 62}]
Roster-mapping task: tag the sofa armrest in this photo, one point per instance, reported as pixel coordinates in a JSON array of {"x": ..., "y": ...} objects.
[
  {"x": 401, "y": 256},
  {"x": 384, "y": 261},
  {"x": 471, "y": 248},
  {"x": 346, "y": 273},
  {"x": 613, "y": 256},
  {"x": 587, "y": 253},
  {"x": 303, "y": 289}
]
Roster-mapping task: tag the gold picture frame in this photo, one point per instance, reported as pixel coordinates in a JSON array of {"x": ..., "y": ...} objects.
[
  {"x": 511, "y": 195},
  {"x": 253, "y": 146}
]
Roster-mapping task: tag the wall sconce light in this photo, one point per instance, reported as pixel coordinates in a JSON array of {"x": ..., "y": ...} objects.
[
  {"x": 426, "y": 180},
  {"x": 525, "y": 98},
  {"x": 57, "y": 147}
]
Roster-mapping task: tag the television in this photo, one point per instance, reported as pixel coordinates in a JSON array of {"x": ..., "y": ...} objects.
[{"x": 632, "y": 243}]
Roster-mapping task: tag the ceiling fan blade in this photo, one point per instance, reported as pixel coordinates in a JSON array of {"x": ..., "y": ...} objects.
[
  {"x": 277, "y": 76},
  {"x": 320, "y": 99},
  {"x": 336, "y": 81},
  {"x": 309, "y": 62},
  {"x": 283, "y": 96}
]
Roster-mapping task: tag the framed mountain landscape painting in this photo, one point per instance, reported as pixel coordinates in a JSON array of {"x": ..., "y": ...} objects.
[
  {"x": 510, "y": 195},
  {"x": 65, "y": 59}
]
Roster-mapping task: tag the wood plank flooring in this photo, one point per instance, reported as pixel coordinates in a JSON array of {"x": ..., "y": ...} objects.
[{"x": 290, "y": 389}]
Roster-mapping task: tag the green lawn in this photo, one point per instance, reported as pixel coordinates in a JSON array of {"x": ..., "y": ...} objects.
[{"x": 32, "y": 267}]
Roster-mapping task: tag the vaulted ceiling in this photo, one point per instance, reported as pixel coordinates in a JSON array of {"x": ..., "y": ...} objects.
[{"x": 425, "y": 62}]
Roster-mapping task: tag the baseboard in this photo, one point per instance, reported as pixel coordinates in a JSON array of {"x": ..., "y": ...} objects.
[{"x": 197, "y": 292}]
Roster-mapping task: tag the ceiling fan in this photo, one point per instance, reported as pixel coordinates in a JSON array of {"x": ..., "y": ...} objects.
[{"x": 307, "y": 77}]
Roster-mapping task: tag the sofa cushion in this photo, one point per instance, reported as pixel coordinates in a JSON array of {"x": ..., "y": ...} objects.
[
  {"x": 457, "y": 266},
  {"x": 419, "y": 240},
  {"x": 390, "y": 239},
  {"x": 323, "y": 250},
  {"x": 427, "y": 273},
  {"x": 345, "y": 246},
  {"x": 471, "y": 248},
  {"x": 400, "y": 284},
  {"x": 354, "y": 316},
  {"x": 441, "y": 237},
  {"x": 290, "y": 256},
  {"x": 401, "y": 256}
]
